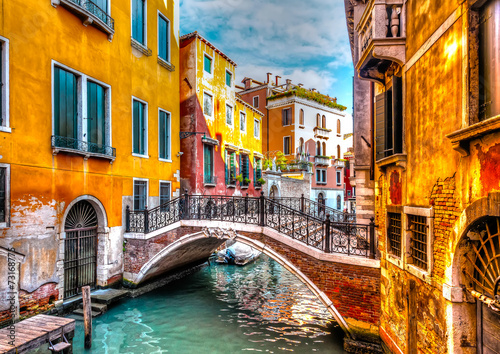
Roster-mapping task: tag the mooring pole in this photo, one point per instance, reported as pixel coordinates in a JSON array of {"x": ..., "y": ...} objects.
[{"x": 87, "y": 316}]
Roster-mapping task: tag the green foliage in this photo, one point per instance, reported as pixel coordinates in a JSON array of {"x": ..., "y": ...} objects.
[
  {"x": 308, "y": 95},
  {"x": 281, "y": 160},
  {"x": 268, "y": 164},
  {"x": 239, "y": 178},
  {"x": 247, "y": 180},
  {"x": 261, "y": 181}
]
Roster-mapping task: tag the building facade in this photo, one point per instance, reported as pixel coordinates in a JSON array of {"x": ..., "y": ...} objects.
[
  {"x": 429, "y": 143},
  {"x": 221, "y": 134},
  {"x": 89, "y": 115}
]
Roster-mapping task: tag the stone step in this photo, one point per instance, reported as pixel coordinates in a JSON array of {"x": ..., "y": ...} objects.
[
  {"x": 108, "y": 296},
  {"x": 97, "y": 307},
  {"x": 80, "y": 312}
]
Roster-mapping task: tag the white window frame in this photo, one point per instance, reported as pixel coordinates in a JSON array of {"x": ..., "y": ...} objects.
[
  {"x": 5, "y": 114},
  {"x": 82, "y": 102},
  {"x": 145, "y": 44},
  {"x": 256, "y": 132},
  {"x": 428, "y": 213},
  {"x": 211, "y": 73},
  {"x": 244, "y": 126},
  {"x": 353, "y": 191},
  {"x": 169, "y": 134},
  {"x": 253, "y": 101},
  {"x": 159, "y": 190},
  {"x": 134, "y": 179},
  {"x": 289, "y": 145},
  {"x": 321, "y": 170},
  {"x": 6, "y": 224},
  {"x": 146, "y": 123},
  {"x": 232, "y": 115},
  {"x": 339, "y": 178},
  {"x": 205, "y": 92},
  {"x": 291, "y": 116},
  {"x": 169, "y": 59},
  {"x": 232, "y": 80}
]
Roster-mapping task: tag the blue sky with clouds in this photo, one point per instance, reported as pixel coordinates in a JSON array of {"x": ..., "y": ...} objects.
[{"x": 305, "y": 41}]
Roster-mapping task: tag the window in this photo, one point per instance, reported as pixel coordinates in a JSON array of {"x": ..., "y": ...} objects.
[
  {"x": 207, "y": 64},
  {"x": 287, "y": 116},
  {"x": 230, "y": 168},
  {"x": 245, "y": 169},
  {"x": 318, "y": 120},
  {"x": 389, "y": 120},
  {"x": 301, "y": 117},
  {"x": 286, "y": 145},
  {"x": 353, "y": 191},
  {"x": 208, "y": 164},
  {"x": 301, "y": 146},
  {"x": 318, "y": 148},
  {"x": 164, "y": 135},
  {"x": 164, "y": 194},
  {"x": 4, "y": 85},
  {"x": 418, "y": 240},
  {"x": 140, "y": 194},
  {"x": 256, "y": 101},
  {"x": 348, "y": 193},
  {"x": 320, "y": 176},
  {"x": 339, "y": 178},
  {"x": 256, "y": 128},
  {"x": 323, "y": 122},
  {"x": 338, "y": 127},
  {"x": 163, "y": 38},
  {"x": 243, "y": 122},
  {"x": 229, "y": 78},
  {"x": 139, "y": 128},
  {"x": 394, "y": 233},
  {"x": 4, "y": 194},
  {"x": 81, "y": 117},
  {"x": 229, "y": 115},
  {"x": 207, "y": 104},
  {"x": 339, "y": 202},
  {"x": 257, "y": 171},
  {"x": 323, "y": 151},
  {"x": 139, "y": 21},
  {"x": 338, "y": 152}
]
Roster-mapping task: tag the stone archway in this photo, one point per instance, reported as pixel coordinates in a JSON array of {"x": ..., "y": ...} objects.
[{"x": 274, "y": 191}]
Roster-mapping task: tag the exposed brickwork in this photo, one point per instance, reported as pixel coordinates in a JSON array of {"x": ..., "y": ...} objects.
[{"x": 446, "y": 212}]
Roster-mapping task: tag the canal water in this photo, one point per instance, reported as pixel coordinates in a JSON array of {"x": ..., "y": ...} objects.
[{"x": 260, "y": 307}]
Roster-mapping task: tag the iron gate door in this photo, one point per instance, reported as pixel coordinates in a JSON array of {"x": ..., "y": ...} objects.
[
  {"x": 488, "y": 336},
  {"x": 80, "y": 260}
]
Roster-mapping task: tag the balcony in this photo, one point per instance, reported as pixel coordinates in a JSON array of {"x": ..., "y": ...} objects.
[
  {"x": 339, "y": 163},
  {"x": 296, "y": 167},
  {"x": 90, "y": 13},
  {"x": 322, "y": 133},
  {"x": 381, "y": 39},
  {"x": 322, "y": 161},
  {"x": 79, "y": 147}
]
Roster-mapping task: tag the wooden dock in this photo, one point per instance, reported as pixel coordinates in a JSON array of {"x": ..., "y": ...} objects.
[{"x": 34, "y": 332}]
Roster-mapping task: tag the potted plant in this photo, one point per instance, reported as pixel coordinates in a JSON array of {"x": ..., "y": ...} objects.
[
  {"x": 261, "y": 181},
  {"x": 247, "y": 181},
  {"x": 239, "y": 178}
]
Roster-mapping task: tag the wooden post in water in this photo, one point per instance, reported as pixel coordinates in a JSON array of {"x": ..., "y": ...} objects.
[{"x": 87, "y": 316}]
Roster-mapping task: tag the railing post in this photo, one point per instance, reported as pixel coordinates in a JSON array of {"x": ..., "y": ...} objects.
[
  {"x": 372, "y": 238},
  {"x": 327, "y": 234},
  {"x": 146, "y": 220},
  {"x": 302, "y": 202},
  {"x": 127, "y": 218},
  {"x": 185, "y": 213},
  {"x": 246, "y": 208},
  {"x": 262, "y": 206}
]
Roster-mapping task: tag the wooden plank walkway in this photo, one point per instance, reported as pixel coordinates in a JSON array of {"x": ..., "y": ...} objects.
[{"x": 34, "y": 332}]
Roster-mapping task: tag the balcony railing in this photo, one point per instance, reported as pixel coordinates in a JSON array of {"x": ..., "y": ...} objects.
[
  {"x": 322, "y": 161},
  {"x": 90, "y": 13},
  {"x": 80, "y": 147},
  {"x": 339, "y": 163},
  {"x": 296, "y": 167},
  {"x": 321, "y": 133}
]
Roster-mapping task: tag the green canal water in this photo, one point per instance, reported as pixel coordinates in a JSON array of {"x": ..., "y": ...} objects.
[{"x": 260, "y": 307}]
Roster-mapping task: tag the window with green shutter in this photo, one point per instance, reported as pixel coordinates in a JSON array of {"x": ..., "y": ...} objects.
[
  {"x": 229, "y": 78},
  {"x": 164, "y": 195},
  {"x": 3, "y": 188},
  {"x": 65, "y": 104},
  {"x": 102, "y": 4},
  {"x": 138, "y": 20},
  {"x": 96, "y": 114},
  {"x": 2, "y": 121},
  {"x": 140, "y": 195},
  {"x": 164, "y": 135},
  {"x": 207, "y": 64},
  {"x": 245, "y": 170},
  {"x": 208, "y": 164},
  {"x": 243, "y": 122},
  {"x": 139, "y": 128},
  {"x": 163, "y": 38}
]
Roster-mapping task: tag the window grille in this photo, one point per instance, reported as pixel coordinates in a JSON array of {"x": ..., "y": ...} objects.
[
  {"x": 418, "y": 244},
  {"x": 394, "y": 234}
]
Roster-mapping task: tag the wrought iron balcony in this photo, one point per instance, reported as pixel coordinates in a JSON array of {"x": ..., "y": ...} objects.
[
  {"x": 322, "y": 161},
  {"x": 381, "y": 38},
  {"x": 296, "y": 167},
  {"x": 90, "y": 13},
  {"x": 322, "y": 133},
  {"x": 79, "y": 147}
]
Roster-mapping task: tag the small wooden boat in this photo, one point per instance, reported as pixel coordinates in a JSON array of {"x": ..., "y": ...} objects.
[{"x": 237, "y": 253}]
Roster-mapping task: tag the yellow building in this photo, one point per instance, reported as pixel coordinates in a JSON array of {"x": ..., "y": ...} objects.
[
  {"x": 90, "y": 115},
  {"x": 222, "y": 138}
]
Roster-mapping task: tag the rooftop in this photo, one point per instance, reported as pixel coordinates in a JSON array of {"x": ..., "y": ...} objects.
[{"x": 195, "y": 34}]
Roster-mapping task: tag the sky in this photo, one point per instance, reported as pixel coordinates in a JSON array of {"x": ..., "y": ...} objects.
[{"x": 305, "y": 41}]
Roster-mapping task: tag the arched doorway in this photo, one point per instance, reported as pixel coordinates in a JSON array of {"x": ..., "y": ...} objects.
[
  {"x": 482, "y": 277},
  {"x": 321, "y": 202},
  {"x": 273, "y": 193},
  {"x": 80, "y": 248}
]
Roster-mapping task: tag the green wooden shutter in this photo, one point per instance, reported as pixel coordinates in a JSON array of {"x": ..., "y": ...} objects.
[
  {"x": 96, "y": 125},
  {"x": 139, "y": 130},
  {"x": 164, "y": 132},
  {"x": 65, "y": 104},
  {"x": 254, "y": 169},
  {"x": 138, "y": 20},
  {"x": 380, "y": 126},
  {"x": 246, "y": 162},
  {"x": 207, "y": 64},
  {"x": 232, "y": 160},
  {"x": 102, "y": 4},
  {"x": 226, "y": 164},
  {"x": 163, "y": 38},
  {"x": 208, "y": 164}
]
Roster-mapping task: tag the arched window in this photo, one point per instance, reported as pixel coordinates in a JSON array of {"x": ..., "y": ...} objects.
[
  {"x": 301, "y": 117},
  {"x": 318, "y": 148},
  {"x": 324, "y": 149},
  {"x": 301, "y": 146},
  {"x": 338, "y": 152},
  {"x": 323, "y": 122},
  {"x": 338, "y": 126},
  {"x": 318, "y": 120}
]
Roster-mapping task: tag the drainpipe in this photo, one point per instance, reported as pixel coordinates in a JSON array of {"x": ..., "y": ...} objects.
[{"x": 372, "y": 138}]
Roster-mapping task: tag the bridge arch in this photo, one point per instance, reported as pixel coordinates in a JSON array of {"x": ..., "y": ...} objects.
[{"x": 219, "y": 236}]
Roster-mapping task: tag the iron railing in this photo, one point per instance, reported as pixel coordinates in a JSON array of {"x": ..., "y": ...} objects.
[
  {"x": 64, "y": 142},
  {"x": 283, "y": 215},
  {"x": 96, "y": 11}
]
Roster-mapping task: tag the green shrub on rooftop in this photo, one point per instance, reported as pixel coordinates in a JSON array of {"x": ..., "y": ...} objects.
[{"x": 309, "y": 95}]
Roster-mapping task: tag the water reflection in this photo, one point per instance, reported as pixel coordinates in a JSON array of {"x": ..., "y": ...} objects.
[{"x": 221, "y": 309}]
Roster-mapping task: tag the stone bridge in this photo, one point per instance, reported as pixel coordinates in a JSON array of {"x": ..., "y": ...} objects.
[{"x": 335, "y": 260}]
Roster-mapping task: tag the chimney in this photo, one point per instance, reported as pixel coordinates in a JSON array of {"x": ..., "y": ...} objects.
[
  {"x": 300, "y": 85},
  {"x": 248, "y": 83},
  {"x": 278, "y": 80},
  {"x": 314, "y": 90},
  {"x": 268, "y": 78},
  {"x": 335, "y": 100},
  {"x": 288, "y": 84}
]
